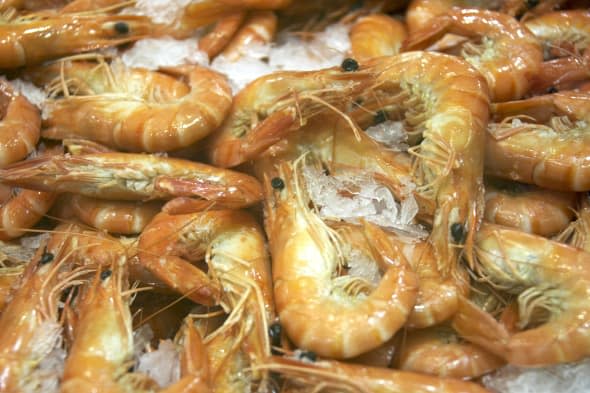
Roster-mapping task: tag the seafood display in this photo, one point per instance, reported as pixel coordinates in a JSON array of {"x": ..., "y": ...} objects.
[{"x": 294, "y": 196}]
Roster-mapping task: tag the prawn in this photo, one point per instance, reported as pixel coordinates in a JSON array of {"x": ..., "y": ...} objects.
[
  {"x": 507, "y": 54},
  {"x": 103, "y": 338},
  {"x": 21, "y": 209},
  {"x": 29, "y": 323},
  {"x": 528, "y": 208},
  {"x": 552, "y": 281},
  {"x": 135, "y": 109},
  {"x": 20, "y": 124},
  {"x": 376, "y": 35},
  {"x": 271, "y": 106},
  {"x": 564, "y": 33},
  {"x": 334, "y": 376},
  {"x": 33, "y": 39},
  {"x": 259, "y": 28},
  {"x": 134, "y": 177},
  {"x": 216, "y": 40},
  {"x": 306, "y": 255},
  {"x": 445, "y": 103},
  {"x": 551, "y": 154},
  {"x": 120, "y": 217},
  {"x": 438, "y": 350}
]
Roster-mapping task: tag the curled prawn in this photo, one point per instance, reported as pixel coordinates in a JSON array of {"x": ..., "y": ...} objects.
[
  {"x": 528, "y": 208},
  {"x": 216, "y": 40},
  {"x": 552, "y": 282},
  {"x": 34, "y": 39},
  {"x": 305, "y": 259},
  {"x": 135, "y": 109},
  {"x": 440, "y": 351},
  {"x": 330, "y": 375},
  {"x": 506, "y": 53},
  {"x": 20, "y": 124},
  {"x": 259, "y": 28},
  {"x": 449, "y": 113},
  {"x": 548, "y": 147},
  {"x": 376, "y": 35},
  {"x": 134, "y": 177}
]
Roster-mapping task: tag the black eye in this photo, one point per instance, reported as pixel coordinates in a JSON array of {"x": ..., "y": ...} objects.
[
  {"x": 307, "y": 356},
  {"x": 277, "y": 183},
  {"x": 349, "y": 65},
  {"x": 532, "y": 3},
  {"x": 121, "y": 27},
  {"x": 552, "y": 90},
  {"x": 46, "y": 257},
  {"x": 457, "y": 232},
  {"x": 105, "y": 274},
  {"x": 274, "y": 332},
  {"x": 379, "y": 117}
]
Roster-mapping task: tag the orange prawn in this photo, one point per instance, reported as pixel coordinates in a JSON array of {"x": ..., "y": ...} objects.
[
  {"x": 20, "y": 124},
  {"x": 440, "y": 351},
  {"x": 33, "y": 39},
  {"x": 528, "y": 208},
  {"x": 552, "y": 281},
  {"x": 134, "y": 177},
  {"x": 216, "y": 40},
  {"x": 135, "y": 109},
  {"x": 508, "y": 54},
  {"x": 376, "y": 35},
  {"x": 259, "y": 28},
  {"x": 306, "y": 255}
]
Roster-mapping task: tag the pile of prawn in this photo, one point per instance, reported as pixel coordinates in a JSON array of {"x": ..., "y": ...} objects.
[{"x": 411, "y": 219}]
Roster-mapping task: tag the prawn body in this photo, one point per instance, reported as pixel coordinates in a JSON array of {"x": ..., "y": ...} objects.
[
  {"x": 134, "y": 177},
  {"x": 305, "y": 259}
]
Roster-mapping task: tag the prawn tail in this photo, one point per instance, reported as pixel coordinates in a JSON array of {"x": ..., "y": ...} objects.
[
  {"x": 479, "y": 327},
  {"x": 427, "y": 35}
]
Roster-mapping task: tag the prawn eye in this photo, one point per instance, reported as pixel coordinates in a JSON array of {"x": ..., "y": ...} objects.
[
  {"x": 277, "y": 183},
  {"x": 457, "y": 232},
  {"x": 105, "y": 274},
  {"x": 274, "y": 332},
  {"x": 121, "y": 27},
  {"x": 308, "y": 356},
  {"x": 349, "y": 65},
  {"x": 46, "y": 257},
  {"x": 532, "y": 3},
  {"x": 379, "y": 117},
  {"x": 552, "y": 90}
]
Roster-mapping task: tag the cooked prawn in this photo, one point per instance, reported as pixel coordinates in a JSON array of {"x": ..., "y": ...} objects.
[
  {"x": 564, "y": 33},
  {"x": 31, "y": 40},
  {"x": 20, "y": 124},
  {"x": 103, "y": 338},
  {"x": 507, "y": 54},
  {"x": 120, "y": 217},
  {"x": 551, "y": 154},
  {"x": 10, "y": 276},
  {"x": 306, "y": 255},
  {"x": 528, "y": 208},
  {"x": 259, "y": 28},
  {"x": 552, "y": 281},
  {"x": 21, "y": 209},
  {"x": 333, "y": 376},
  {"x": 217, "y": 39},
  {"x": 376, "y": 35},
  {"x": 135, "y": 109},
  {"x": 440, "y": 351},
  {"x": 29, "y": 323},
  {"x": 271, "y": 106},
  {"x": 134, "y": 177},
  {"x": 445, "y": 102}
]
